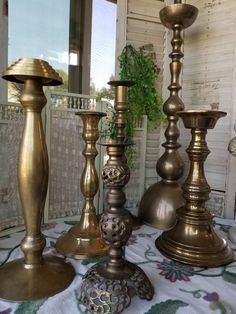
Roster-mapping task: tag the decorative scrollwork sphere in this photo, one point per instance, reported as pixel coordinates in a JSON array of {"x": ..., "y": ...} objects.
[
  {"x": 115, "y": 175},
  {"x": 116, "y": 231}
]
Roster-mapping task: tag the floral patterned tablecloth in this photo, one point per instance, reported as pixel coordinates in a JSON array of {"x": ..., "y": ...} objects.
[{"x": 179, "y": 288}]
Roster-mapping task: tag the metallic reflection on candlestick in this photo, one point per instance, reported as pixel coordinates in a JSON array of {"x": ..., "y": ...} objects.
[
  {"x": 121, "y": 107},
  {"x": 35, "y": 276},
  {"x": 232, "y": 150},
  {"x": 84, "y": 239},
  {"x": 159, "y": 203},
  {"x": 108, "y": 287},
  {"x": 193, "y": 239}
]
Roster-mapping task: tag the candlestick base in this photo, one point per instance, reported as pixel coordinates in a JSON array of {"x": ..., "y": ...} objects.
[
  {"x": 193, "y": 241},
  {"x": 103, "y": 291},
  {"x": 159, "y": 203},
  {"x": 78, "y": 244},
  {"x": 20, "y": 282}
]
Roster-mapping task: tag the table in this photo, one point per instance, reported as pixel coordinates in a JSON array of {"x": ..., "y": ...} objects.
[{"x": 179, "y": 288}]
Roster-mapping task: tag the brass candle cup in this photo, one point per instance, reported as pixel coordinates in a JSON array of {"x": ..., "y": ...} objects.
[
  {"x": 84, "y": 239},
  {"x": 160, "y": 201},
  {"x": 193, "y": 239},
  {"x": 35, "y": 276}
]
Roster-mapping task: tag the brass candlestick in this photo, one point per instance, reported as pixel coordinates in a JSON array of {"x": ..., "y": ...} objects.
[
  {"x": 193, "y": 239},
  {"x": 108, "y": 287},
  {"x": 232, "y": 150},
  {"x": 84, "y": 239},
  {"x": 159, "y": 203},
  {"x": 121, "y": 107},
  {"x": 35, "y": 276}
]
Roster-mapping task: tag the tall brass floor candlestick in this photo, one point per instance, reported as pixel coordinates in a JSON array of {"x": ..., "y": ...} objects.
[
  {"x": 108, "y": 287},
  {"x": 35, "y": 276},
  {"x": 84, "y": 239},
  {"x": 121, "y": 107},
  {"x": 193, "y": 239},
  {"x": 159, "y": 203}
]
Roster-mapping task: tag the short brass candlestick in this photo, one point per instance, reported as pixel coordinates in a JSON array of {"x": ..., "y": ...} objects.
[
  {"x": 84, "y": 239},
  {"x": 108, "y": 287},
  {"x": 193, "y": 239},
  {"x": 121, "y": 107},
  {"x": 159, "y": 203},
  {"x": 35, "y": 276}
]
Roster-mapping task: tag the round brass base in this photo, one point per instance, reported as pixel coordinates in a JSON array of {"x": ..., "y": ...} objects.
[
  {"x": 159, "y": 203},
  {"x": 81, "y": 246},
  {"x": 19, "y": 283},
  {"x": 195, "y": 244},
  {"x": 104, "y": 291}
]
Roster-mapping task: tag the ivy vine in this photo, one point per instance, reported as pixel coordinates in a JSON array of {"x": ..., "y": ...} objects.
[{"x": 143, "y": 97}]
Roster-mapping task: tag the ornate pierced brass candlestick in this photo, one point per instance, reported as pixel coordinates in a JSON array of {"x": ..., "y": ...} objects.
[
  {"x": 84, "y": 239},
  {"x": 108, "y": 287},
  {"x": 35, "y": 276},
  {"x": 159, "y": 203},
  {"x": 121, "y": 107},
  {"x": 193, "y": 239}
]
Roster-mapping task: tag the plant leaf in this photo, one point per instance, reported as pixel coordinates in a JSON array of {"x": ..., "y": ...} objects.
[
  {"x": 167, "y": 307},
  {"x": 29, "y": 307}
]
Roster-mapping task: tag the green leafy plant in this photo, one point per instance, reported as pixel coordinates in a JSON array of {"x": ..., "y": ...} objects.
[{"x": 143, "y": 96}]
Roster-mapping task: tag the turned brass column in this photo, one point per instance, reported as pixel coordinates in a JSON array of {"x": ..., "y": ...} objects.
[
  {"x": 121, "y": 107},
  {"x": 35, "y": 276},
  {"x": 232, "y": 150},
  {"x": 193, "y": 239},
  {"x": 159, "y": 203},
  {"x": 108, "y": 287},
  {"x": 84, "y": 239}
]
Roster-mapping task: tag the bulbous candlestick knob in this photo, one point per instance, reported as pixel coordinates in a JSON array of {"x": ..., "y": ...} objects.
[
  {"x": 108, "y": 287},
  {"x": 193, "y": 240},
  {"x": 84, "y": 239},
  {"x": 35, "y": 276},
  {"x": 159, "y": 203}
]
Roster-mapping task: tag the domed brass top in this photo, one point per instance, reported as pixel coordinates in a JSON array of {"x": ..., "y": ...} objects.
[
  {"x": 179, "y": 13},
  {"x": 26, "y": 68}
]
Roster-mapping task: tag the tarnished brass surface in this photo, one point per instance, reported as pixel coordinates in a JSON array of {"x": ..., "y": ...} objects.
[
  {"x": 84, "y": 239},
  {"x": 179, "y": 13},
  {"x": 160, "y": 199},
  {"x": 159, "y": 203},
  {"x": 35, "y": 276},
  {"x": 193, "y": 240},
  {"x": 232, "y": 150},
  {"x": 108, "y": 287},
  {"x": 121, "y": 107}
]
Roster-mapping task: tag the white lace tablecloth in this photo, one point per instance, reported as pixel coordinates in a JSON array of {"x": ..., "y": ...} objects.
[{"x": 179, "y": 288}]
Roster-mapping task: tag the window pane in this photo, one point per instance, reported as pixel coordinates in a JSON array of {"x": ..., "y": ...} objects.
[
  {"x": 103, "y": 43},
  {"x": 40, "y": 29}
]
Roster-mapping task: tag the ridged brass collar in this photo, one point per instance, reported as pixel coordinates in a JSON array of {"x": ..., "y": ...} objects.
[{"x": 26, "y": 68}]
